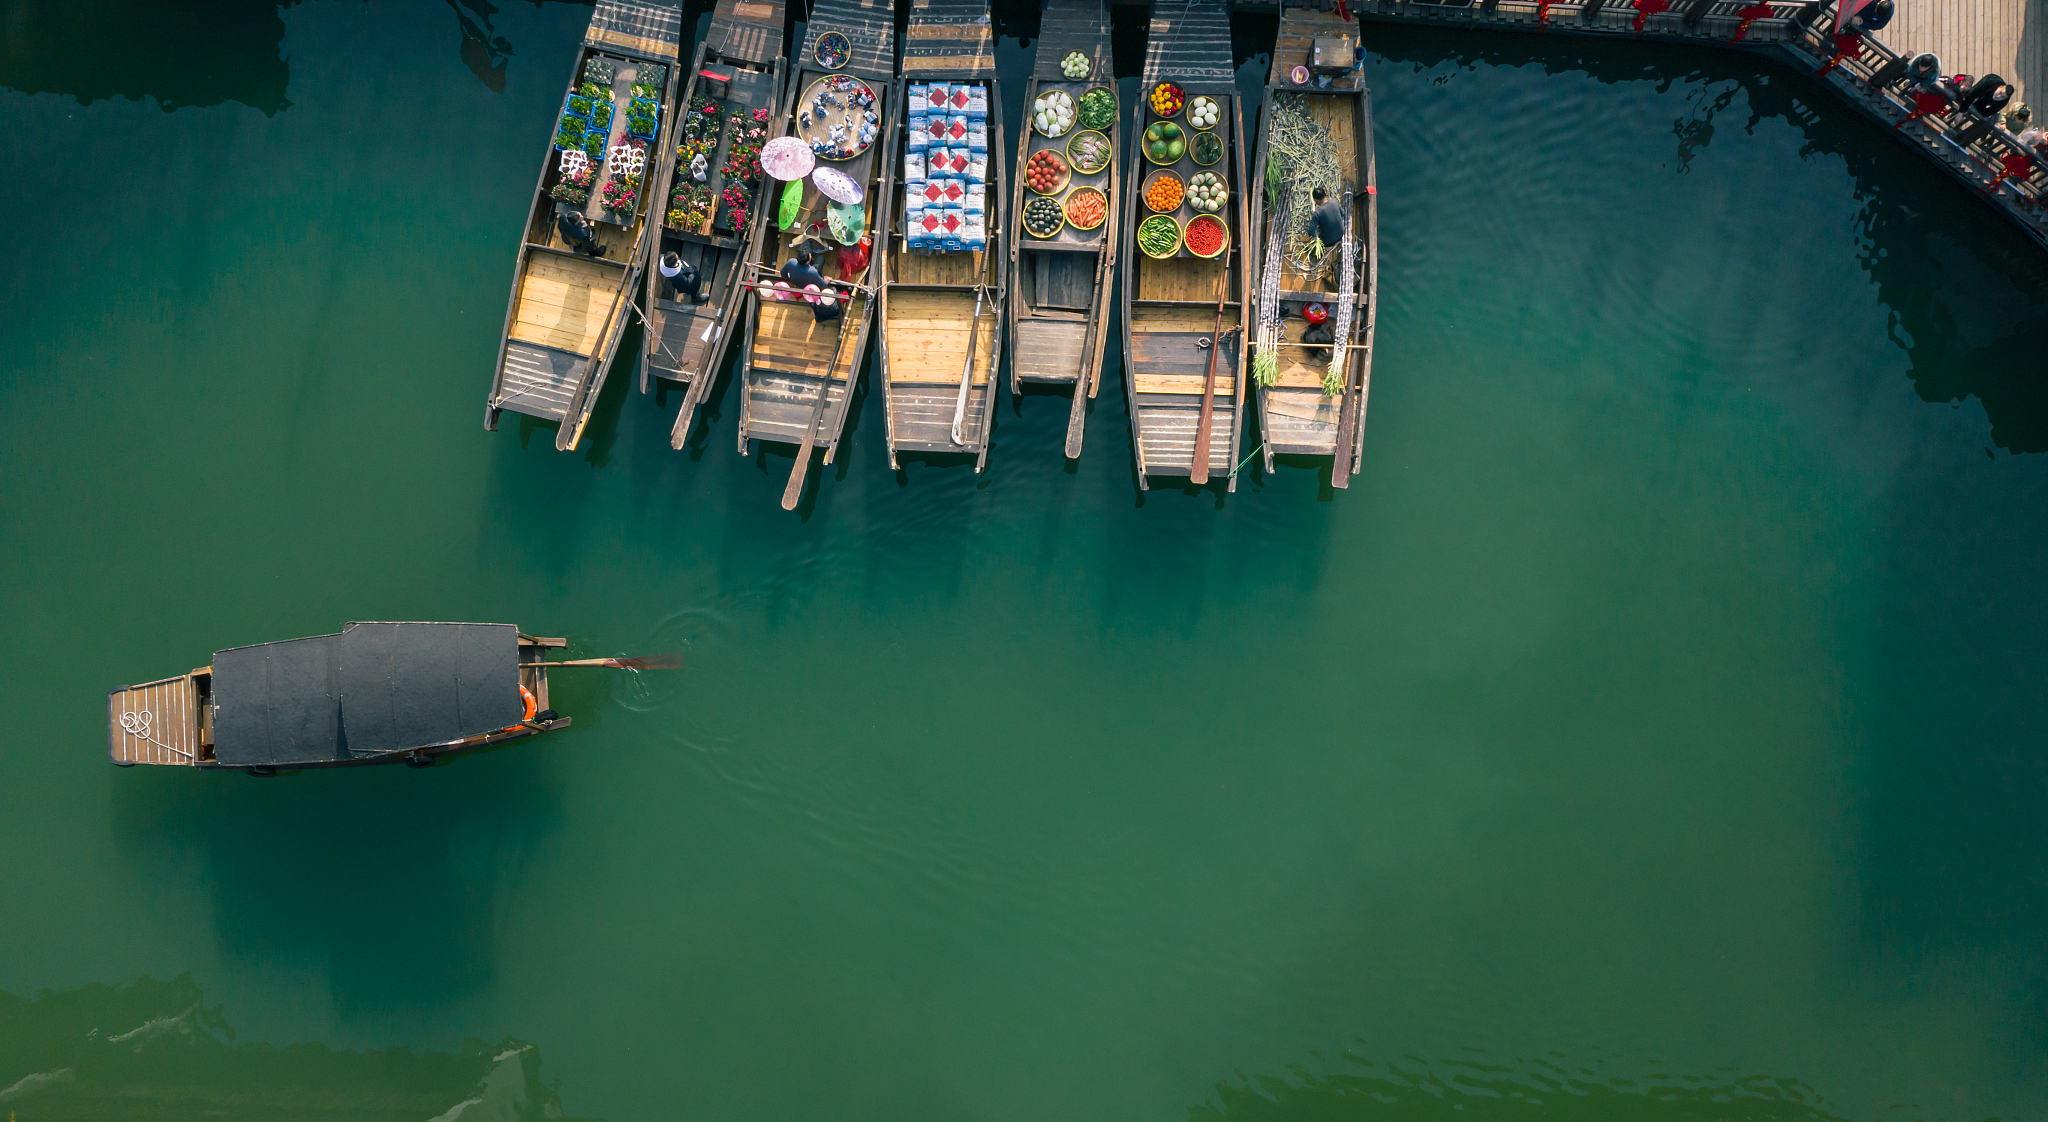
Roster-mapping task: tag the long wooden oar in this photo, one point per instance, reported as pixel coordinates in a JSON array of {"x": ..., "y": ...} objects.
[
  {"x": 795, "y": 489},
  {"x": 644, "y": 662},
  {"x": 967, "y": 371},
  {"x": 1198, "y": 473}
]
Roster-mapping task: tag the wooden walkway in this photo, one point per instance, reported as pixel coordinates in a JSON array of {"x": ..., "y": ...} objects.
[
  {"x": 2008, "y": 38},
  {"x": 1970, "y": 36}
]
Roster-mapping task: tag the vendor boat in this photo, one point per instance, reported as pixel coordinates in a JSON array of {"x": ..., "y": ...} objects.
[
  {"x": 1060, "y": 282},
  {"x": 943, "y": 282},
  {"x": 375, "y": 693},
  {"x": 1184, "y": 290},
  {"x": 568, "y": 308},
  {"x": 733, "y": 87},
  {"x": 797, "y": 370},
  {"x": 1316, "y": 132}
]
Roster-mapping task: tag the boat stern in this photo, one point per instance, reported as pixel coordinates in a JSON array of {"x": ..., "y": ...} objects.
[{"x": 169, "y": 721}]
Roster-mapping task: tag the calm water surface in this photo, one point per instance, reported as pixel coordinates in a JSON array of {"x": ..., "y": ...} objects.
[{"x": 1653, "y": 730}]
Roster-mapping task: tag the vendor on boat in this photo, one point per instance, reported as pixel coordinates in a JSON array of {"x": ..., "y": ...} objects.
[
  {"x": 1327, "y": 222},
  {"x": 803, "y": 277},
  {"x": 577, "y": 232},
  {"x": 679, "y": 278}
]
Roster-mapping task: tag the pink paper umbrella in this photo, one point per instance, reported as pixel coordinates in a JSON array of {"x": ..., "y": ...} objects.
[
  {"x": 787, "y": 158},
  {"x": 837, "y": 186}
]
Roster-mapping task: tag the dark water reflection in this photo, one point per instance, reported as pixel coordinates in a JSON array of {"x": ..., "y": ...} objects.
[{"x": 155, "y": 1050}]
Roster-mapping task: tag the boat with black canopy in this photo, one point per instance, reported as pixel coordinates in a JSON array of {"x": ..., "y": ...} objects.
[
  {"x": 944, "y": 284},
  {"x": 373, "y": 693},
  {"x": 1317, "y": 300},
  {"x": 1184, "y": 290},
  {"x": 704, "y": 185},
  {"x": 585, "y": 238},
  {"x": 1063, "y": 266}
]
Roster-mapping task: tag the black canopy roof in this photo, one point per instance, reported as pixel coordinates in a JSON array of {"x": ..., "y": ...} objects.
[{"x": 374, "y": 688}]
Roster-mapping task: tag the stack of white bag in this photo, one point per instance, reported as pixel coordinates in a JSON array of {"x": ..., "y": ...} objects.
[{"x": 945, "y": 168}]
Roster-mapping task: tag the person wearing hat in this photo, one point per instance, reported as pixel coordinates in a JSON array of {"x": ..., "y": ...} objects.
[
  {"x": 575, "y": 230},
  {"x": 2018, "y": 118},
  {"x": 679, "y": 278}
]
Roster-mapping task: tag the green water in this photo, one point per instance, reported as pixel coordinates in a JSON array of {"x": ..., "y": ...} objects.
[{"x": 1653, "y": 730}]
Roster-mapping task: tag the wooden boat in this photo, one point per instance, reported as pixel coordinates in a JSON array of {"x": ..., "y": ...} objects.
[
  {"x": 567, "y": 310},
  {"x": 738, "y": 69},
  {"x": 942, "y": 299},
  {"x": 1179, "y": 400},
  {"x": 1060, "y": 286},
  {"x": 1314, "y": 403},
  {"x": 796, "y": 372},
  {"x": 376, "y": 693}
]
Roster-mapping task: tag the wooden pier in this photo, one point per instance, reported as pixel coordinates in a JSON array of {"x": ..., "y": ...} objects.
[{"x": 1870, "y": 75}]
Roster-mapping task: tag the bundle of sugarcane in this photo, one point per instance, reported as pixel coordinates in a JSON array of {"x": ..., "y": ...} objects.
[
  {"x": 1347, "y": 300},
  {"x": 1302, "y": 144},
  {"x": 1266, "y": 360}
]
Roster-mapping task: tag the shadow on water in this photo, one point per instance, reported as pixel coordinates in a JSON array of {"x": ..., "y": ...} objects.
[
  {"x": 1517, "y": 1089},
  {"x": 187, "y": 55},
  {"x": 396, "y": 881},
  {"x": 154, "y": 1050},
  {"x": 1968, "y": 292}
]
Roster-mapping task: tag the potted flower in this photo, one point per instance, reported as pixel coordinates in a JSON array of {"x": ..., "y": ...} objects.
[
  {"x": 580, "y": 106},
  {"x": 620, "y": 196},
  {"x": 574, "y": 188},
  {"x": 736, "y": 200},
  {"x": 593, "y": 146},
  {"x": 689, "y": 206},
  {"x": 598, "y": 72},
  {"x": 639, "y": 122},
  {"x": 589, "y": 90},
  {"x": 570, "y": 133},
  {"x": 601, "y": 114}
]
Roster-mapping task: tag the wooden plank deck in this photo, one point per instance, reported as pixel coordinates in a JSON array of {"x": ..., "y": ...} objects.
[
  {"x": 157, "y": 722},
  {"x": 869, "y": 25},
  {"x": 748, "y": 29},
  {"x": 1977, "y": 37},
  {"x": 565, "y": 302},
  {"x": 949, "y": 37}
]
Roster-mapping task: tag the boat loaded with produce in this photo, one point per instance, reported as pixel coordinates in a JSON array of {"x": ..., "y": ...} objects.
[
  {"x": 708, "y": 178},
  {"x": 944, "y": 286},
  {"x": 585, "y": 238},
  {"x": 373, "y": 693},
  {"x": 1184, "y": 276},
  {"x": 1063, "y": 225},
  {"x": 1313, "y": 334},
  {"x": 826, "y": 190}
]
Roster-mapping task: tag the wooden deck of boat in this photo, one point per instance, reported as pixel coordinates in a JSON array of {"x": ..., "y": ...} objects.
[
  {"x": 654, "y": 30},
  {"x": 687, "y": 342},
  {"x": 926, "y": 335},
  {"x": 1170, "y": 308},
  {"x": 162, "y": 722},
  {"x": 565, "y": 301},
  {"x": 1059, "y": 295},
  {"x": 1298, "y": 27},
  {"x": 747, "y": 29},
  {"x": 952, "y": 38},
  {"x": 869, "y": 26}
]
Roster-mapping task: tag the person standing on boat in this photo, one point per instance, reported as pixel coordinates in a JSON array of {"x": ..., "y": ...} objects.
[
  {"x": 577, "y": 232},
  {"x": 1327, "y": 222},
  {"x": 679, "y": 278}
]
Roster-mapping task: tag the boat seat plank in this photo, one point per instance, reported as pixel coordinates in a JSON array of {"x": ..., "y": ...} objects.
[
  {"x": 927, "y": 336},
  {"x": 1169, "y": 437},
  {"x": 539, "y": 381},
  {"x": 1050, "y": 351},
  {"x": 173, "y": 709},
  {"x": 788, "y": 338}
]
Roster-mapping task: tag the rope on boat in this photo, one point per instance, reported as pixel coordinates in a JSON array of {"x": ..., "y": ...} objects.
[{"x": 1347, "y": 301}]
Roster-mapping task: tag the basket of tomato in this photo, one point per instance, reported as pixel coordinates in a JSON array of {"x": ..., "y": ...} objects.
[
  {"x": 1163, "y": 191},
  {"x": 1046, "y": 172},
  {"x": 1168, "y": 98}
]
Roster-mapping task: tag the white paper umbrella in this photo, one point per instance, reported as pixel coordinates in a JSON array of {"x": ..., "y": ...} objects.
[
  {"x": 787, "y": 158},
  {"x": 837, "y": 186}
]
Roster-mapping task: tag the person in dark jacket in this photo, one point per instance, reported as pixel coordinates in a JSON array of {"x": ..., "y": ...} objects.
[
  {"x": 680, "y": 279},
  {"x": 1327, "y": 221},
  {"x": 807, "y": 282},
  {"x": 1989, "y": 97},
  {"x": 577, "y": 232},
  {"x": 1871, "y": 17}
]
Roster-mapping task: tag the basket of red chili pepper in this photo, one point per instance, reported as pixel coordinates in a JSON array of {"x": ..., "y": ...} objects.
[{"x": 1206, "y": 236}]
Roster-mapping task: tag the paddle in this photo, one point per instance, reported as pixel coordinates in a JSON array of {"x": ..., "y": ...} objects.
[
  {"x": 967, "y": 370},
  {"x": 795, "y": 489},
  {"x": 669, "y": 661},
  {"x": 1198, "y": 472}
]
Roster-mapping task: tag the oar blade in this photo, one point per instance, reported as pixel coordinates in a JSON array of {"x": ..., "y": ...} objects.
[{"x": 670, "y": 660}]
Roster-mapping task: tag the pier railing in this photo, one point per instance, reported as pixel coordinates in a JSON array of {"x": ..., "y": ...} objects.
[{"x": 1865, "y": 72}]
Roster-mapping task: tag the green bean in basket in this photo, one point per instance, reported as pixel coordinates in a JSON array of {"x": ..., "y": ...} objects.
[{"x": 1159, "y": 235}]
